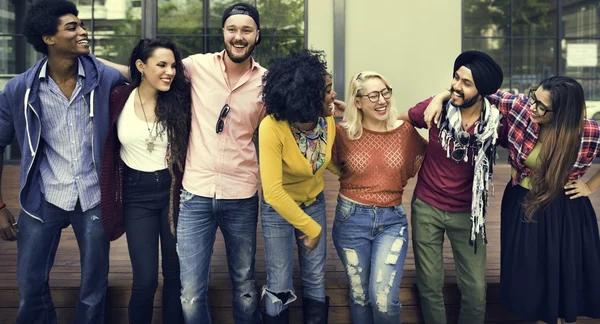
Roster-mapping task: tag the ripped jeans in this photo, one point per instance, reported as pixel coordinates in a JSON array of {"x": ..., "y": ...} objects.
[
  {"x": 371, "y": 243},
  {"x": 199, "y": 218},
  {"x": 279, "y": 237}
]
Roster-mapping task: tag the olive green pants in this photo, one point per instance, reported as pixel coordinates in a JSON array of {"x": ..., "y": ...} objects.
[{"x": 428, "y": 227}]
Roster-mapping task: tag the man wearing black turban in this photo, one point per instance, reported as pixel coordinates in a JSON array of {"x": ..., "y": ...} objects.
[{"x": 452, "y": 189}]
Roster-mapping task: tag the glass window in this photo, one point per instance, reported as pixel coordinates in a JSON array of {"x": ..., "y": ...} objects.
[
  {"x": 530, "y": 44},
  {"x": 115, "y": 27},
  {"x": 196, "y": 26}
]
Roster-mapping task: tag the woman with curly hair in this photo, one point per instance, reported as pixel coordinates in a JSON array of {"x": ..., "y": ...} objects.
[
  {"x": 377, "y": 154},
  {"x": 144, "y": 154},
  {"x": 295, "y": 143}
]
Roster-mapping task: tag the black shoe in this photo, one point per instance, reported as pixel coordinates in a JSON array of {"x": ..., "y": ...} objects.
[{"x": 314, "y": 311}]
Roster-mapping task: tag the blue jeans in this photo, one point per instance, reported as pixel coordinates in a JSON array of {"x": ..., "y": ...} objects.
[
  {"x": 279, "y": 236},
  {"x": 371, "y": 243},
  {"x": 37, "y": 243},
  {"x": 199, "y": 218}
]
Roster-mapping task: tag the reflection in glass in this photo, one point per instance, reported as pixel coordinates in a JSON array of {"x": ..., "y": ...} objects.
[
  {"x": 534, "y": 18},
  {"x": 486, "y": 18}
]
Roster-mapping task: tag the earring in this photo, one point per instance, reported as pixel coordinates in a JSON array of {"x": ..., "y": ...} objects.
[{"x": 142, "y": 74}]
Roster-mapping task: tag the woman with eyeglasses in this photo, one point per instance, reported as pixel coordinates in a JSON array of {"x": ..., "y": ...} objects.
[
  {"x": 550, "y": 258},
  {"x": 377, "y": 154},
  {"x": 550, "y": 244},
  {"x": 295, "y": 143},
  {"x": 144, "y": 155}
]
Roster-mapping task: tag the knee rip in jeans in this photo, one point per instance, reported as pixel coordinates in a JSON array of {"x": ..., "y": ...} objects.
[
  {"x": 353, "y": 269},
  {"x": 382, "y": 296},
  {"x": 279, "y": 299},
  {"x": 188, "y": 301},
  {"x": 247, "y": 296}
]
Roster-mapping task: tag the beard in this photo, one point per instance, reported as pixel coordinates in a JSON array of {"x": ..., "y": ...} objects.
[
  {"x": 467, "y": 102},
  {"x": 239, "y": 58}
]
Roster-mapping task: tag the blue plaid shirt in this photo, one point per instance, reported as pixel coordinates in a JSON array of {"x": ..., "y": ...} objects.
[{"x": 66, "y": 167}]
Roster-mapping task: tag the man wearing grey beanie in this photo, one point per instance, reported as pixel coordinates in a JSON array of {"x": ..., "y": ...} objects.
[{"x": 452, "y": 189}]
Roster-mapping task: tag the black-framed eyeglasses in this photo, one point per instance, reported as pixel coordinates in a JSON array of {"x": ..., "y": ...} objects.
[
  {"x": 540, "y": 108},
  {"x": 374, "y": 95},
  {"x": 460, "y": 146},
  {"x": 222, "y": 115}
]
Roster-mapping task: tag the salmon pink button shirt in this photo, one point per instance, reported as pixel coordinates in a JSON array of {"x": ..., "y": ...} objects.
[{"x": 224, "y": 165}]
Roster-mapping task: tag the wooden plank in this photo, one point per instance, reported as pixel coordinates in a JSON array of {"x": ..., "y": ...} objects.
[{"x": 65, "y": 275}]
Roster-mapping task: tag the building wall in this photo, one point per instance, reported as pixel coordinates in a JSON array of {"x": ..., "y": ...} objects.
[{"x": 412, "y": 43}]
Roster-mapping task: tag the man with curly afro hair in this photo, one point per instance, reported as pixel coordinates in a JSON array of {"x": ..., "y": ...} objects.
[{"x": 58, "y": 110}]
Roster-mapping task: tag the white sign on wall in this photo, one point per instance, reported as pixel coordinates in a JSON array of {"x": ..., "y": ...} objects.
[{"x": 582, "y": 55}]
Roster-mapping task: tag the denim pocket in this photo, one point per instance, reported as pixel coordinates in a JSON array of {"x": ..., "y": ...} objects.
[
  {"x": 344, "y": 210},
  {"x": 185, "y": 196},
  {"x": 400, "y": 211}
]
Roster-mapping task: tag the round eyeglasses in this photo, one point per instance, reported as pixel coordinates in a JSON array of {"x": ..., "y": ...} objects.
[{"x": 374, "y": 95}]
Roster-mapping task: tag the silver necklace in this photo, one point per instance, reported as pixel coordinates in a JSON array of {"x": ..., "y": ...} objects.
[{"x": 150, "y": 139}]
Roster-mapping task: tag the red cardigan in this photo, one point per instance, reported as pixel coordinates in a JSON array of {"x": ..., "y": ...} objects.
[{"x": 111, "y": 175}]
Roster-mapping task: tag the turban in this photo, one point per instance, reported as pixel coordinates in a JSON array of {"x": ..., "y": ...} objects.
[{"x": 487, "y": 74}]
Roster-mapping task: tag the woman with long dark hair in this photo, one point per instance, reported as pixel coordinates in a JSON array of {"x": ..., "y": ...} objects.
[
  {"x": 550, "y": 257},
  {"x": 144, "y": 154},
  {"x": 296, "y": 139}
]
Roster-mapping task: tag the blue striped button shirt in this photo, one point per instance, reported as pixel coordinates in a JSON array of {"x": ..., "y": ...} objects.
[{"x": 67, "y": 168}]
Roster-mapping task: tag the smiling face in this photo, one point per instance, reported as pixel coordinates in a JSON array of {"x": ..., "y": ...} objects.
[
  {"x": 541, "y": 106},
  {"x": 71, "y": 37},
  {"x": 372, "y": 102},
  {"x": 240, "y": 35},
  {"x": 330, "y": 95},
  {"x": 159, "y": 70},
  {"x": 463, "y": 90}
]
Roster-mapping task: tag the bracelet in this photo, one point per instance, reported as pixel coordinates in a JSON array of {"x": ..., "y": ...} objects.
[{"x": 2, "y": 206}]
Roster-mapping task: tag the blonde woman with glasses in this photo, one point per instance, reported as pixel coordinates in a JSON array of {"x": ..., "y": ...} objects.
[{"x": 377, "y": 154}]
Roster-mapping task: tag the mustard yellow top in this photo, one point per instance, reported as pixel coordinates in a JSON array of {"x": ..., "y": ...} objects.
[
  {"x": 286, "y": 175},
  {"x": 530, "y": 162}
]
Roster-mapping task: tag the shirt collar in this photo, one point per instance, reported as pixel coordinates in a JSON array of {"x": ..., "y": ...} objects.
[{"x": 44, "y": 70}]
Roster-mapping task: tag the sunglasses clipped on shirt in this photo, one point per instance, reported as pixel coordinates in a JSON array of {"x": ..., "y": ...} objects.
[
  {"x": 461, "y": 146},
  {"x": 222, "y": 115}
]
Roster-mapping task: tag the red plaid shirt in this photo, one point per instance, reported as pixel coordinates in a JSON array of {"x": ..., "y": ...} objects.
[{"x": 523, "y": 135}]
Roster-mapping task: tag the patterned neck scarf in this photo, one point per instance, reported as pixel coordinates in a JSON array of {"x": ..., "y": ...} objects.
[
  {"x": 312, "y": 143},
  {"x": 484, "y": 157}
]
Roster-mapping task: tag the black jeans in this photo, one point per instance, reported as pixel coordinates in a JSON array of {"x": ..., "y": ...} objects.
[{"x": 146, "y": 213}]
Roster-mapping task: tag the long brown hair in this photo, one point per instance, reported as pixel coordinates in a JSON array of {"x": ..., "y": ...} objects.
[{"x": 561, "y": 143}]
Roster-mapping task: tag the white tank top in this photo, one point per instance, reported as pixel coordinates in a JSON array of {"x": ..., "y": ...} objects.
[{"x": 133, "y": 133}]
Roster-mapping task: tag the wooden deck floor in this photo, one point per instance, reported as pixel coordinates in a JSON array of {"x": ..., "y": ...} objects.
[{"x": 65, "y": 275}]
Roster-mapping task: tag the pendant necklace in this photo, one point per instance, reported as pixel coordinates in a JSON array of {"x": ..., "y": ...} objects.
[{"x": 150, "y": 139}]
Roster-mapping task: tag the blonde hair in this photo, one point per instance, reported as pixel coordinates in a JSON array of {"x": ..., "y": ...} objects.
[{"x": 353, "y": 116}]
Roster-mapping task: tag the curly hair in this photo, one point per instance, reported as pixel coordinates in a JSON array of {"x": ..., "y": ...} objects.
[
  {"x": 42, "y": 20},
  {"x": 294, "y": 87},
  {"x": 173, "y": 107}
]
